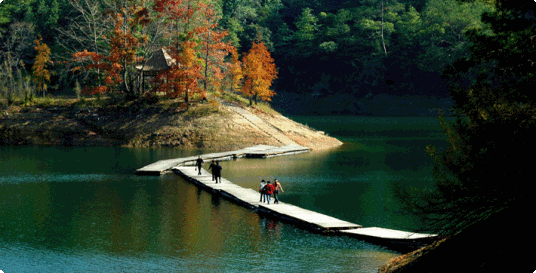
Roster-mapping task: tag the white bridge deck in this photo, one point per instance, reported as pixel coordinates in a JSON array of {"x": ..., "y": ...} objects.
[
  {"x": 259, "y": 151},
  {"x": 396, "y": 239}
]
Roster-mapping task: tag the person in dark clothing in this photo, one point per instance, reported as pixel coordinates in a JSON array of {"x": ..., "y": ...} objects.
[
  {"x": 212, "y": 167},
  {"x": 217, "y": 171},
  {"x": 199, "y": 162},
  {"x": 261, "y": 191}
]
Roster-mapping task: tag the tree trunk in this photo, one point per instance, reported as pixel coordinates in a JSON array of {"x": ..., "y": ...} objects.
[
  {"x": 383, "y": 39},
  {"x": 206, "y": 62}
]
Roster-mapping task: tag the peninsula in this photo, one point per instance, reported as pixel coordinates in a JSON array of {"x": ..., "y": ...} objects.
[{"x": 222, "y": 125}]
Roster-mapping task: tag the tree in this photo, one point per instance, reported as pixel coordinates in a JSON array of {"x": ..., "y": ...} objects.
[
  {"x": 87, "y": 29},
  {"x": 307, "y": 26},
  {"x": 126, "y": 40},
  {"x": 259, "y": 73},
  {"x": 214, "y": 49},
  {"x": 235, "y": 71},
  {"x": 42, "y": 59},
  {"x": 15, "y": 83},
  {"x": 183, "y": 76},
  {"x": 5, "y": 17},
  {"x": 444, "y": 33},
  {"x": 127, "y": 47},
  {"x": 245, "y": 20},
  {"x": 483, "y": 173},
  {"x": 381, "y": 24},
  {"x": 16, "y": 46}
]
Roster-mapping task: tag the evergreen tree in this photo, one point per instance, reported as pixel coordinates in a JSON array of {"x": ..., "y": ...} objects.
[{"x": 483, "y": 174}]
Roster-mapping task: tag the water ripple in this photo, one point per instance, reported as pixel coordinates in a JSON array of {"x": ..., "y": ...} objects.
[{"x": 45, "y": 178}]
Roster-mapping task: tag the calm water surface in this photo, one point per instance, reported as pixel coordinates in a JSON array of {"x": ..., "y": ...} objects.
[{"x": 82, "y": 209}]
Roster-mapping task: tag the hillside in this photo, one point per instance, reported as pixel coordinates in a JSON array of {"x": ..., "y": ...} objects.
[{"x": 218, "y": 126}]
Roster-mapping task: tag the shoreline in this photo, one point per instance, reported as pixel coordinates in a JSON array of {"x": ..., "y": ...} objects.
[{"x": 201, "y": 126}]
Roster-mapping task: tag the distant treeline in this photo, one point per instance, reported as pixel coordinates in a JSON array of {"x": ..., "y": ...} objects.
[
  {"x": 323, "y": 47},
  {"x": 368, "y": 47}
]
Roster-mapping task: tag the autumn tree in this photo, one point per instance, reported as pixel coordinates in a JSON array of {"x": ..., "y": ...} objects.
[
  {"x": 42, "y": 59},
  {"x": 214, "y": 49},
  {"x": 234, "y": 74},
  {"x": 126, "y": 43},
  {"x": 259, "y": 73},
  {"x": 87, "y": 29},
  {"x": 93, "y": 62},
  {"x": 195, "y": 43},
  {"x": 183, "y": 75}
]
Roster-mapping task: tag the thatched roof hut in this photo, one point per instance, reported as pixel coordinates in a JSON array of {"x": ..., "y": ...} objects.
[{"x": 160, "y": 60}]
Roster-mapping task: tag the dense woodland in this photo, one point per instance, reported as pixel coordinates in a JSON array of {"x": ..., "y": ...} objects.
[{"x": 352, "y": 48}]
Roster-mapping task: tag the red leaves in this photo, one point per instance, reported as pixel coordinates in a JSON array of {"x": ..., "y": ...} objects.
[
  {"x": 99, "y": 62},
  {"x": 125, "y": 40},
  {"x": 198, "y": 50},
  {"x": 193, "y": 40},
  {"x": 85, "y": 56},
  {"x": 172, "y": 9}
]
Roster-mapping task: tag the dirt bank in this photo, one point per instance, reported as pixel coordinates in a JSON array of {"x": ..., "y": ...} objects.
[{"x": 219, "y": 126}]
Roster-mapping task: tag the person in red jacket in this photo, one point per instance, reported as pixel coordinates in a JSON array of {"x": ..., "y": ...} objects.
[{"x": 269, "y": 189}]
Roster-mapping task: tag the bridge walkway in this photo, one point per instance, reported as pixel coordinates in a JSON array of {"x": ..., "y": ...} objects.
[{"x": 314, "y": 221}]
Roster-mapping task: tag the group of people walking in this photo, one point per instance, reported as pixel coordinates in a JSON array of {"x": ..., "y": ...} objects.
[
  {"x": 214, "y": 166},
  {"x": 267, "y": 189}
]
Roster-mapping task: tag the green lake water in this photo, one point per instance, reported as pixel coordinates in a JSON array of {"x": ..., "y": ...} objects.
[{"x": 82, "y": 209}]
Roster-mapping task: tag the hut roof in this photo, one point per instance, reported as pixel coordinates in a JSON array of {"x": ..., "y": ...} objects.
[{"x": 159, "y": 61}]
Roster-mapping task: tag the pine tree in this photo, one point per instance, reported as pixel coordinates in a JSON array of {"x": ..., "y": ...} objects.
[{"x": 484, "y": 171}]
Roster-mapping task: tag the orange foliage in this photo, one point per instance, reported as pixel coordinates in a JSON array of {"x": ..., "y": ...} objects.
[
  {"x": 182, "y": 77},
  {"x": 194, "y": 42},
  {"x": 259, "y": 72},
  {"x": 40, "y": 72},
  {"x": 124, "y": 44},
  {"x": 235, "y": 69},
  {"x": 214, "y": 50}
]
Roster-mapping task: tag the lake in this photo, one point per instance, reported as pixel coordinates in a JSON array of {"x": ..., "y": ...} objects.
[{"x": 82, "y": 209}]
